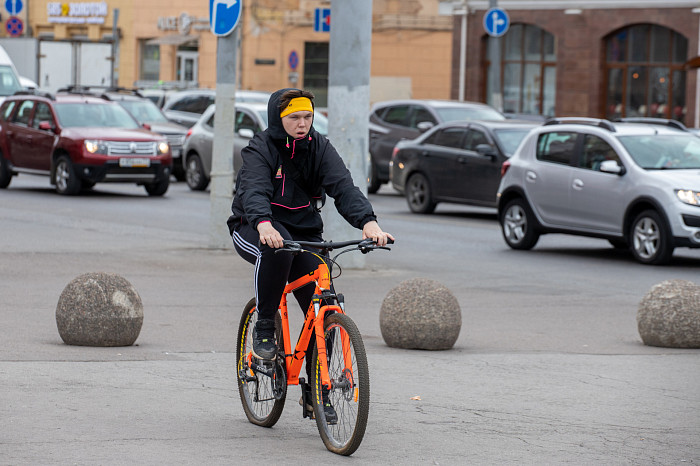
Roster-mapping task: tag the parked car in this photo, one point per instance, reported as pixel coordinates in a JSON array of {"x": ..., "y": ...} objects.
[
  {"x": 150, "y": 116},
  {"x": 251, "y": 117},
  {"x": 394, "y": 120},
  {"x": 79, "y": 140},
  {"x": 636, "y": 185},
  {"x": 455, "y": 162},
  {"x": 186, "y": 107}
]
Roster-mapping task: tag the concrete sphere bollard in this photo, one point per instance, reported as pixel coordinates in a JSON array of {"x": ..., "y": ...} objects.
[
  {"x": 420, "y": 314},
  {"x": 669, "y": 315},
  {"x": 99, "y": 309}
]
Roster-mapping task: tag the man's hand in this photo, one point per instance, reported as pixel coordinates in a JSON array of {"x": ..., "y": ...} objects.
[
  {"x": 372, "y": 230},
  {"x": 269, "y": 235}
]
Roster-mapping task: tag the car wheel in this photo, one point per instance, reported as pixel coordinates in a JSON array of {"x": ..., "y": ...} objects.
[
  {"x": 5, "y": 173},
  {"x": 66, "y": 180},
  {"x": 158, "y": 188},
  {"x": 650, "y": 239},
  {"x": 419, "y": 195},
  {"x": 194, "y": 174},
  {"x": 373, "y": 183},
  {"x": 518, "y": 225}
]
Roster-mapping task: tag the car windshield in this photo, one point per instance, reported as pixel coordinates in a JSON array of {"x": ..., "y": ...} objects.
[
  {"x": 510, "y": 139},
  {"x": 8, "y": 81},
  {"x": 655, "y": 152},
  {"x": 468, "y": 113},
  {"x": 78, "y": 114},
  {"x": 144, "y": 111}
]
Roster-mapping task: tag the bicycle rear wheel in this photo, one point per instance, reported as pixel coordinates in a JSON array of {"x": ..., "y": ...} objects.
[
  {"x": 262, "y": 396},
  {"x": 349, "y": 395}
]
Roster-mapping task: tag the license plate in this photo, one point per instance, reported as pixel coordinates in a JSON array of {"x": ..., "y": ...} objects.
[{"x": 134, "y": 162}]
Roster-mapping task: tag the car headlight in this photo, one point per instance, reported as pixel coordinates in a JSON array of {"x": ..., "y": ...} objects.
[
  {"x": 94, "y": 146},
  {"x": 688, "y": 196},
  {"x": 163, "y": 147}
]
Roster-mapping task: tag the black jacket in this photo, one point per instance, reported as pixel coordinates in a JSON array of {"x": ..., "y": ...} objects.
[{"x": 266, "y": 188}]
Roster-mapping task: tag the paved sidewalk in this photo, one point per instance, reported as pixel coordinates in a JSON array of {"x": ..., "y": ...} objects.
[{"x": 573, "y": 392}]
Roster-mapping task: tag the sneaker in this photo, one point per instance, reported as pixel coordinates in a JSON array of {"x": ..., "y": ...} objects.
[
  {"x": 328, "y": 409},
  {"x": 264, "y": 346}
]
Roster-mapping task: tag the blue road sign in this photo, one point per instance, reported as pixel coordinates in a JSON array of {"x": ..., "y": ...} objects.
[
  {"x": 293, "y": 59},
  {"x": 496, "y": 22},
  {"x": 322, "y": 20},
  {"x": 224, "y": 16},
  {"x": 13, "y": 6},
  {"x": 14, "y": 26}
]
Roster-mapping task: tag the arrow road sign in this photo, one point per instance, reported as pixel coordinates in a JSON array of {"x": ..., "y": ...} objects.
[
  {"x": 224, "y": 16},
  {"x": 13, "y": 6},
  {"x": 496, "y": 22},
  {"x": 322, "y": 20}
]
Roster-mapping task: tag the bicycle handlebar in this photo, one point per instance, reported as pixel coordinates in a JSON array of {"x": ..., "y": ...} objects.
[{"x": 364, "y": 245}]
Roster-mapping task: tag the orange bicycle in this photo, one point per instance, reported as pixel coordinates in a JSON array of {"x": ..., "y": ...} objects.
[{"x": 339, "y": 359}]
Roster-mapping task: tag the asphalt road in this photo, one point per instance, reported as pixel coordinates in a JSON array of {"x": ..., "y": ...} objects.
[{"x": 548, "y": 368}]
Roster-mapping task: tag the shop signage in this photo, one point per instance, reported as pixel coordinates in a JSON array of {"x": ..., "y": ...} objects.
[
  {"x": 77, "y": 13},
  {"x": 183, "y": 23}
]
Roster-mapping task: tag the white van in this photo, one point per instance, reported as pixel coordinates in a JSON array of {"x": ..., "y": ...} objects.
[{"x": 9, "y": 79}]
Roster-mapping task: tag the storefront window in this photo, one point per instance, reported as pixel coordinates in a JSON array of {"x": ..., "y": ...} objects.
[
  {"x": 528, "y": 68},
  {"x": 645, "y": 76},
  {"x": 150, "y": 62}
]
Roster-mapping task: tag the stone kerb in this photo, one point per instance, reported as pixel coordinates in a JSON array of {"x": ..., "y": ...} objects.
[
  {"x": 99, "y": 309},
  {"x": 420, "y": 314},
  {"x": 669, "y": 315}
]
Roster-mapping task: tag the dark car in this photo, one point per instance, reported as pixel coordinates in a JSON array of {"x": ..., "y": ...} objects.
[
  {"x": 79, "y": 140},
  {"x": 149, "y": 115},
  {"x": 392, "y": 121},
  {"x": 456, "y": 162}
]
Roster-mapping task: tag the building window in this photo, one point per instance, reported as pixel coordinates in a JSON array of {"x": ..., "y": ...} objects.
[
  {"x": 528, "y": 70},
  {"x": 644, "y": 72},
  {"x": 316, "y": 71},
  {"x": 150, "y": 62}
]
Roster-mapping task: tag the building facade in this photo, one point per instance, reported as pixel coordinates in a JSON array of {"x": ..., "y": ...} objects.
[
  {"x": 169, "y": 42},
  {"x": 598, "y": 58}
]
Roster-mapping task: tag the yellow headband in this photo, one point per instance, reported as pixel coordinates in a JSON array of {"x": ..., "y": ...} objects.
[{"x": 298, "y": 104}]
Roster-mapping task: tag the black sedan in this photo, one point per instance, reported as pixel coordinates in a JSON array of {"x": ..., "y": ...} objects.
[{"x": 457, "y": 162}]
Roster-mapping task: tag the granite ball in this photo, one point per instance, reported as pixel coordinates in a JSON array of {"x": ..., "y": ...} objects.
[
  {"x": 420, "y": 313},
  {"x": 669, "y": 315},
  {"x": 99, "y": 309}
]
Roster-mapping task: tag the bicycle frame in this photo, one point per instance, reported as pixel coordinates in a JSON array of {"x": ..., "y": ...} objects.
[{"x": 313, "y": 321}]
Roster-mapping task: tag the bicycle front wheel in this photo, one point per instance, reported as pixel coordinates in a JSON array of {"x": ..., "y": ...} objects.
[
  {"x": 262, "y": 396},
  {"x": 349, "y": 393}
]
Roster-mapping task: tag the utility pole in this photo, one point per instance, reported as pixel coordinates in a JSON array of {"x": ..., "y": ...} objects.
[
  {"x": 224, "y": 15},
  {"x": 348, "y": 105}
]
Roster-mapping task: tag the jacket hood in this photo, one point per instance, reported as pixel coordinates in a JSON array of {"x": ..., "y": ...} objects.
[{"x": 274, "y": 122}]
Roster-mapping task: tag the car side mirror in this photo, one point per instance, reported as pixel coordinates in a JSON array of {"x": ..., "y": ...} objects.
[
  {"x": 424, "y": 126},
  {"x": 611, "y": 166},
  {"x": 246, "y": 133},
  {"x": 487, "y": 150},
  {"x": 45, "y": 125}
]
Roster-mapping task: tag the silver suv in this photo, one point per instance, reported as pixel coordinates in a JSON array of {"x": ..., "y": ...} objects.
[{"x": 636, "y": 185}]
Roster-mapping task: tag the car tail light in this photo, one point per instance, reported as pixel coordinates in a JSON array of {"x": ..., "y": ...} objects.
[
  {"x": 504, "y": 168},
  {"x": 189, "y": 133},
  {"x": 395, "y": 151}
]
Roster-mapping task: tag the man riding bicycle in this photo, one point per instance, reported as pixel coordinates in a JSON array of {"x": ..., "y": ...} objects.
[{"x": 287, "y": 171}]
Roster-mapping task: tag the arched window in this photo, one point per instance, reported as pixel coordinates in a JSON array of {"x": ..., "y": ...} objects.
[
  {"x": 644, "y": 70},
  {"x": 528, "y": 70}
]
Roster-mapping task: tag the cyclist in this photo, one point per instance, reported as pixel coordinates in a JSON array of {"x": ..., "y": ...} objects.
[{"x": 287, "y": 170}]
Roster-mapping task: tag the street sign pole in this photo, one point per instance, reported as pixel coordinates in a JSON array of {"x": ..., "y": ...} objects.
[
  {"x": 224, "y": 15},
  {"x": 495, "y": 59},
  {"x": 348, "y": 105}
]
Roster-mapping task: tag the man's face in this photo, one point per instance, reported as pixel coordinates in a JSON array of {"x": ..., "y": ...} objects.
[{"x": 298, "y": 124}]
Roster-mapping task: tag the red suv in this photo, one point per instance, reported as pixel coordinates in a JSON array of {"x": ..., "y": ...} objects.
[{"x": 79, "y": 140}]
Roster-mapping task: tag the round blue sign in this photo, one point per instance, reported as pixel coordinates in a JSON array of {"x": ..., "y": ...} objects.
[
  {"x": 293, "y": 59},
  {"x": 14, "y": 26},
  {"x": 13, "y": 6},
  {"x": 496, "y": 22}
]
